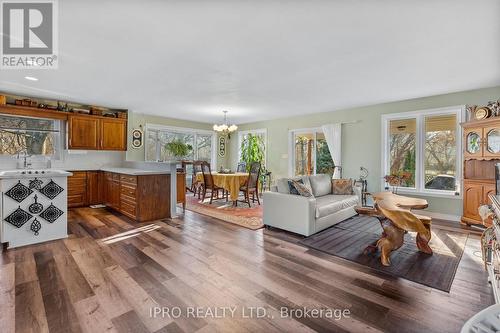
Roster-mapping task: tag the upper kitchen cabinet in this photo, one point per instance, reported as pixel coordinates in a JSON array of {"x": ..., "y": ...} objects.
[
  {"x": 113, "y": 133},
  {"x": 83, "y": 132},
  {"x": 97, "y": 133}
]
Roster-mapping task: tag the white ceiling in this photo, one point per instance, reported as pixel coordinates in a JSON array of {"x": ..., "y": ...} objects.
[{"x": 265, "y": 59}]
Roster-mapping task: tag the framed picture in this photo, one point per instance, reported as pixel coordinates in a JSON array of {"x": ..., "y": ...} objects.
[{"x": 222, "y": 146}]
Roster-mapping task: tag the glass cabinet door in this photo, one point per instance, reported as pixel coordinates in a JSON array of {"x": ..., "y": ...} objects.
[
  {"x": 473, "y": 143},
  {"x": 493, "y": 141}
]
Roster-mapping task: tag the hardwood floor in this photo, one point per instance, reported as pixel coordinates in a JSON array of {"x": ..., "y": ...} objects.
[{"x": 111, "y": 273}]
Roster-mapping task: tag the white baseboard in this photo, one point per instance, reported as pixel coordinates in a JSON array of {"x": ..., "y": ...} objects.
[{"x": 439, "y": 216}]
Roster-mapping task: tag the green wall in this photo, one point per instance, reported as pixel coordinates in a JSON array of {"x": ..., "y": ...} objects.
[
  {"x": 136, "y": 119},
  {"x": 361, "y": 142}
]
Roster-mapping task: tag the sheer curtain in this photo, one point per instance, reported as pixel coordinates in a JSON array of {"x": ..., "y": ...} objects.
[{"x": 333, "y": 136}]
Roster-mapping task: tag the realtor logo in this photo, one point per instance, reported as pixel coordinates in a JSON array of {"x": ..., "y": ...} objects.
[{"x": 29, "y": 34}]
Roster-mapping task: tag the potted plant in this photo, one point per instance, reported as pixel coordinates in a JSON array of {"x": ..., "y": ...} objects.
[
  {"x": 252, "y": 150},
  {"x": 178, "y": 148},
  {"x": 397, "y": 179}
]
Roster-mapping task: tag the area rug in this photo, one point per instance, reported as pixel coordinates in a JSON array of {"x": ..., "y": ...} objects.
[
  {"x": 242, "y": 215},
  {"x": 349, "y": 239}
]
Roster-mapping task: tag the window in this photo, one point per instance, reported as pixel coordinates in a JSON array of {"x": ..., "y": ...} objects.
[
  {"x": 309, "y": 153},
  {"x": 201, "y": 143},
  {"x": 33, "y": 136},
  {"x": 422, "y": 147},
  {"x": 261, "y": 134}
]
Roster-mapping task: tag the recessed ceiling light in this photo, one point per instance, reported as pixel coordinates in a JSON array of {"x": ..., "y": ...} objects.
[{"x": 31, "y": 78}]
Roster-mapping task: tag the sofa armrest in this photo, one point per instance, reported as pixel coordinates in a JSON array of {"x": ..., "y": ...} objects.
[{"x": 289, "y": 212}]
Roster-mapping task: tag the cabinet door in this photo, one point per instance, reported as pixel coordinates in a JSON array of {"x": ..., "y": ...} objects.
[
  {"x": 492, "y": 142},
  {"x": 107, "y": 188},
  {"x": 83, "y": 132},
  {"x": 113, "y": 134},
  {"x": 77, "y": 189},
  {"x": 473, "y": 138},
  {"x": 473, "y": 197},
  {"x": 487, "y": 190},
  {"x": 93, "y": 188}
]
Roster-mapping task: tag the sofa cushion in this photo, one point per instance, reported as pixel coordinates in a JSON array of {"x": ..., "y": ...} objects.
[
  {"x": 321, "y": 184},
  {"x": 282, "y": 184},
  {"x": 330, "y": 204},
  {"x": 342, "y": 186}
]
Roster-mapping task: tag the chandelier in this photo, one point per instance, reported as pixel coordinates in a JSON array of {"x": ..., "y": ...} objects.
[{"x": 225, "y": 128}]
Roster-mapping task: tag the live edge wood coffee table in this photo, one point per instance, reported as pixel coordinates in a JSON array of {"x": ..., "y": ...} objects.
[{"x": 396, "y": 218}]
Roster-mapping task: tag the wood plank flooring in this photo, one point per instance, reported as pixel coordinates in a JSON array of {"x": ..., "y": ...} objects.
[{"x": 111, "y": 273}]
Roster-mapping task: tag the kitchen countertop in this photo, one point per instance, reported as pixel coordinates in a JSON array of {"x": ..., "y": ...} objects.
[{"x": 136, "y": 172}]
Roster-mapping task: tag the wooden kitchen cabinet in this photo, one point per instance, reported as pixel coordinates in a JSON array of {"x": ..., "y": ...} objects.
[
  {"x": 77, "y": 189},
  {"x": 96, "y": 133},
  {"x": 142, "y": 198},
  {"x": 94, "y": 188},
  {"x": 181, "y": 189},
  {"x": 113, "y": 134},
  {"x": 83, "y": 132}
]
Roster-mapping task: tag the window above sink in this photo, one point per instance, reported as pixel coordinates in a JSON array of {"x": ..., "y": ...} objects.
[{"x": 33, "y": 136}]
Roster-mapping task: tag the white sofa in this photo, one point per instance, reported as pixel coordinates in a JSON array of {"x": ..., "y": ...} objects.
[{"x": 307, "y": 216}]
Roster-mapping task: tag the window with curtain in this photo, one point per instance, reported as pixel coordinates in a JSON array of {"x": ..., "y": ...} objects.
[
  {"x": 34, "y": 136},
  {"x": 310, "y": 153},
  {"x": 424, "y": 145}
]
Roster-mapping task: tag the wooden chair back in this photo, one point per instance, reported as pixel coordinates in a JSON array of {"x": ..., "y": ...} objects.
[
  {"x": 254, "y": 175},
  {"x": 207, "y": 175}
]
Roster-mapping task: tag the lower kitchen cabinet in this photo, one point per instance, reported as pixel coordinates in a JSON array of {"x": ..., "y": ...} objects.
[{"x": 142, "y": 197}]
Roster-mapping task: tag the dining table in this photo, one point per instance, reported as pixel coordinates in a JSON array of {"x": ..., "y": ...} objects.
[{"x": 231, "y": 182}]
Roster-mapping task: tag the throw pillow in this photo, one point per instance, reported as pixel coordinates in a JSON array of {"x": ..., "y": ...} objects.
[
  {"x": 302, "y": 189},
  {"x": 342, "y": 186},
  {"x": 291, "y": 186}
]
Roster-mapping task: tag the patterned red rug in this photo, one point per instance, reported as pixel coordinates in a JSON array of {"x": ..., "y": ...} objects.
[{"x": 248, "y": 217}]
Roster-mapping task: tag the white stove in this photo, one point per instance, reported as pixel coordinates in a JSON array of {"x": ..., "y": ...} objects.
[{"x": 33, "y": 206}]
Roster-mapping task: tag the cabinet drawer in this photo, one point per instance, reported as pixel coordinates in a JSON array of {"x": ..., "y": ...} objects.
[
  {"x": 128, "y": 179},
  {"x": 127, "y": 199},
  {"x": 127, "y": 190},
  {"x": 127, "y": 208}
]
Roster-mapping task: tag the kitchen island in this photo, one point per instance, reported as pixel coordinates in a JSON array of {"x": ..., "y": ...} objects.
[{"x": 140, "y": 194}]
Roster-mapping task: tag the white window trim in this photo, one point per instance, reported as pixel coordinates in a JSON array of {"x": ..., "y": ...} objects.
[
  {"x": 419, "y": 115},
  {"x": 241, "y": 134},
  {"x": 157, "y": 127},
  {"x": 291, "y": 145}
]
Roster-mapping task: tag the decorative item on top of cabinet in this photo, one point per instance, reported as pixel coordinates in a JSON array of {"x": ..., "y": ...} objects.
[{"x": 481, "y": 151}]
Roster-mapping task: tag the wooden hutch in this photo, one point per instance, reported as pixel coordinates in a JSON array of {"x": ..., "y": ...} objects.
[{"x": 481, "y": 152}]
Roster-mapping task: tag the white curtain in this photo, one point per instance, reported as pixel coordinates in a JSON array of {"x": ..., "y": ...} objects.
[{"x": 333, "y": 136}]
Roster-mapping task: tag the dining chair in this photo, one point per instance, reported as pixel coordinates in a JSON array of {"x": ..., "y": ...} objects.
[
  {"x": 252, "y": 184},
  {"x": 209, "y": 184},
  {"x": 196, "y": 186},
  {"x": 242, "y": 167}
]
